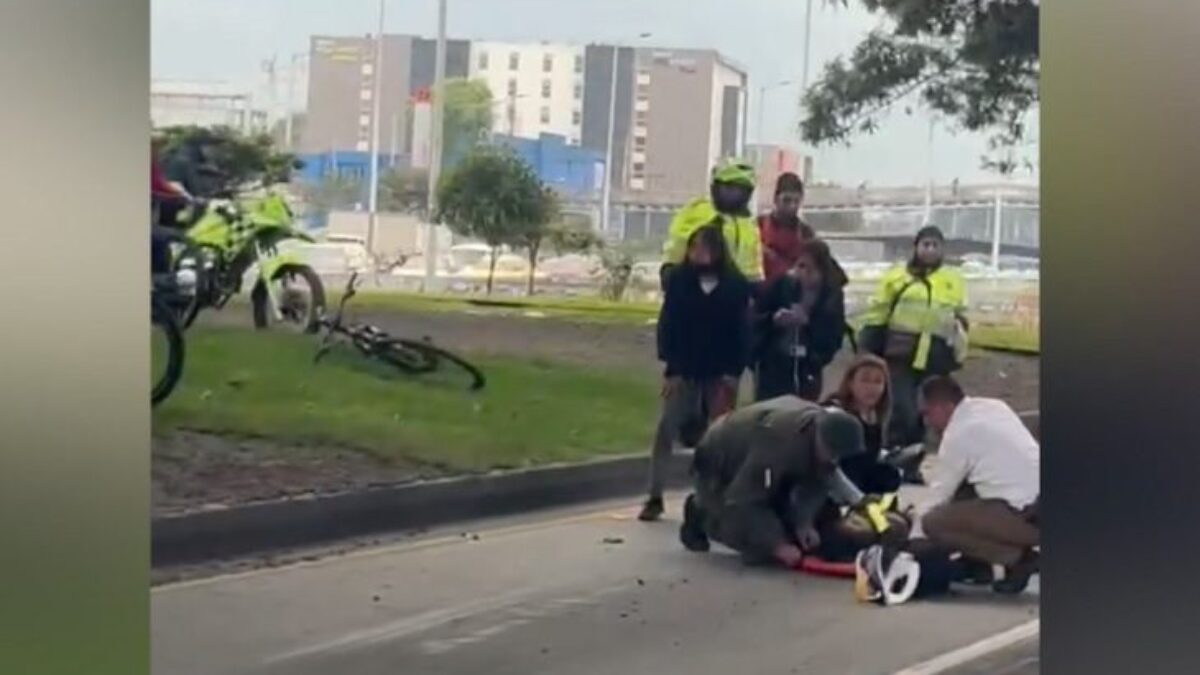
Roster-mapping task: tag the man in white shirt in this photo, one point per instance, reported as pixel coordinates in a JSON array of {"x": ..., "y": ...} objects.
[{"x": 984, "y": 496}]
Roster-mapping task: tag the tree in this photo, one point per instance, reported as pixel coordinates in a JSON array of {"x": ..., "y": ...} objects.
[
  {"x": 468, "y": 118},
  {"x": 239, "y": 159},
  {"x": 976, "y": 62},
  {"x": 617, "y": 262},
  {"x": 404, "y": 190},
  {"x": 494, "y": 196},
  {"x": 574, "y": 234},
  {"x": 535, "y": 232}
]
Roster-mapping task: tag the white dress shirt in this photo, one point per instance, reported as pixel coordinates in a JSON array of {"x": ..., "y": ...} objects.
[{"x": 988, "y": 447}]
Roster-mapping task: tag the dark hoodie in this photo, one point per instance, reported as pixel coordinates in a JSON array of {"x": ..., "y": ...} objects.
[{"x": 704, "y": 335}]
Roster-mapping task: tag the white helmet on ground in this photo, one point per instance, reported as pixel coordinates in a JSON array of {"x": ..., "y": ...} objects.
[{"x": 886, "y": 577}]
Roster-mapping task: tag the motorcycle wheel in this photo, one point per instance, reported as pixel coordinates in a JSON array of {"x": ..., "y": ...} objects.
[{"x": 301, "y": 297}]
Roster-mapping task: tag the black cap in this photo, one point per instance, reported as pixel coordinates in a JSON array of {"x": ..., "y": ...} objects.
[
  {"x": 841, "y": 434},
  {"x": 929, "y": 232}
]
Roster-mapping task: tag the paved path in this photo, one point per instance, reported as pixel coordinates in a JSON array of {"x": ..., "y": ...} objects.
[{"x": 589, "y": 593}]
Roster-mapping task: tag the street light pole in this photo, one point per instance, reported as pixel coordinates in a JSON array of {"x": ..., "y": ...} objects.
[
  {"x": 290, "y": 111},
  {"x": 435, "y": 163},
  {"x": 929, "y": 174},
  {"x": 373, "y": 196},
  {"x": 606, "y": 197}
]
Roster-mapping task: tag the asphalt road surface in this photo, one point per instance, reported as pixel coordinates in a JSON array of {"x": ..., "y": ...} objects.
[{"x": 590, "y": 593}]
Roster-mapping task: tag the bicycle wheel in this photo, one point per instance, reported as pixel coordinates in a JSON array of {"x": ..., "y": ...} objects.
[
  {"x": 166, "y": 351},
  {"x": 419, "y": 357}
]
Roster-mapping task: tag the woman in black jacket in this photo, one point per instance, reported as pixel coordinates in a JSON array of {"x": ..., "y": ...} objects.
[
  {"x": 800, "y": 324},
  {"x": 703, "y": 341}
]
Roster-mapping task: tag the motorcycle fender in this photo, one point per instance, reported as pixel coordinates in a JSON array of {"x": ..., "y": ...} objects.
[{"x": 271, "y": 265}]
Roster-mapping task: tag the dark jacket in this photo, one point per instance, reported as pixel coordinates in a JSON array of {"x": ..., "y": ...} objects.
[
  {"x": 767, "y": 473},
  {"x": 704, "y": 335},
  {"x": 805, "y": 350}
]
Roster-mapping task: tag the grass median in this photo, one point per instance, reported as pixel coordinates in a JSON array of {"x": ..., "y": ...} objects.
[{"x": 265, "y": 385}]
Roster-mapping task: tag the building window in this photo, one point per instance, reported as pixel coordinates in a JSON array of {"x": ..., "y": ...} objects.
[
  {"x": 368, "y": 69},
  {"x": 639, "y": 142},
  {"x": 576, "y": 117},
  {"x": 637, "y": 184},
  {"x": 362, "y": 146},
  {"x": 483, "y": 60},
  {"x": 512, "y": 88},
  {"x": 514, "y": 61},
  {"x": 548, "y": 63},
  {"x": 545, "y": 115},
  {"x": 578, "y": 91},
  {"x": 639, "y": 167},
  {"x": 643, "y": 79},
  {"x": 364, "y": 120},
  {"x": 546, "y": 88},
  {"x": 578, "y": 63},
  {"x": 365, "y": 94}
]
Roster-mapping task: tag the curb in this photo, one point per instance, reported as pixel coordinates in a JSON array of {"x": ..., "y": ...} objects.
[
  {"x": 265, "y": 526},
  {"x": 280, "y": 524}
]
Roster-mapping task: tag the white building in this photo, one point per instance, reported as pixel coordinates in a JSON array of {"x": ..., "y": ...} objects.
[
  {"x": 203, "y": 104},
  {"x": 538, "y": 88}
]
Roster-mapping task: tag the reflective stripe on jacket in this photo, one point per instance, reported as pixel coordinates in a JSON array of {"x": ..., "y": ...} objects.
[
  {"x": 930, "y": 308},
  {"x": 741, "y": 235}
]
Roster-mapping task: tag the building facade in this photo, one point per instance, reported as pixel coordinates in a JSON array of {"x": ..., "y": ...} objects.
[{"x": 537, "y": 88}]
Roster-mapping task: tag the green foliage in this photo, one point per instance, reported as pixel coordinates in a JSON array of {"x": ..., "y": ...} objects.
[
  {"x": 495, "y": 197},
  {"x": 238, "y": 158},
  {"x": 573, "y": 234},
  {"x": 975, "y": 62},
  {"x": 618, "y": 271},
  {"x": 334, "y": 193},
  {"x": 404, "y": 190}
]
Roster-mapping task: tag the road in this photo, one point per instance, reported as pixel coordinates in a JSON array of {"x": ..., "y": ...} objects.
[{"x": 591, "y": 592}]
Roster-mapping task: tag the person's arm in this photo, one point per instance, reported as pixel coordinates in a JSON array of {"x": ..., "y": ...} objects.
[
  {"x": 841, "y": 489},
  {"x": 738, "y": 322},
  {"x": 953, "y": 467},
  {"x": 881, "y": 302},
  {"x": 669, "y": 330},
  {"x": 829, "y": 331}
]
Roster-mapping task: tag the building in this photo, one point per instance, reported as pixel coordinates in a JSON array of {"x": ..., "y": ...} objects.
[
  {"x": 677, "y": 111},
  {"x": 538, "y": 88},
  {"x": 341, "y": 86},
  {"x": 203, "y": 104},
  {"x": 772, "y": 160}
]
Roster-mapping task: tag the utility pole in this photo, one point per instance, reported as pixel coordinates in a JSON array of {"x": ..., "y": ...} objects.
[
  {"x": 438, "y": 140},
  {"x": 606, "y": 196},
  {"x": 373, "y": 196},
  {"x": 929, "y": 173},
  {"x": 290, "y": 112}
]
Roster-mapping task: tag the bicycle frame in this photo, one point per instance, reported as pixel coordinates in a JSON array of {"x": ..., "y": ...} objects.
[{"x": 334, "y": 325}]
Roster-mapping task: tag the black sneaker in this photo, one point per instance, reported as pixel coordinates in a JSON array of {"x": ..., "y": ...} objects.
[
  {"x": 1016, "y": 577},
  {"x": 652, "y": 510},
  {"x": 691, "y": 532}
]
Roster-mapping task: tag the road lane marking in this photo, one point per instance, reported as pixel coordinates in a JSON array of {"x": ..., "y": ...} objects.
[
  {"x": 611, "y": 513},
  {"x": 958, "y": 657}
]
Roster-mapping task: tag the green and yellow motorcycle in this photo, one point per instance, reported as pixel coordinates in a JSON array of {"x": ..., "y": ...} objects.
[{"x": 232, "y": 241}]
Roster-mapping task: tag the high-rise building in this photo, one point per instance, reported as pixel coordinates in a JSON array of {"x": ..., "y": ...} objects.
[{"x": 678, "y": 111}]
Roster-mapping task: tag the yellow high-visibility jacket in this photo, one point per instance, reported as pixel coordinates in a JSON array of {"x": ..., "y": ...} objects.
[
  {"x": 741, "y": 235},
  {"x": 933, "y": 309}
]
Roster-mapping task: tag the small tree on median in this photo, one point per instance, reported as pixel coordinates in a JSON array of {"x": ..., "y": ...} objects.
[
  {"x": 493, "y": 196},
  {"x": 534, "y": 234}
]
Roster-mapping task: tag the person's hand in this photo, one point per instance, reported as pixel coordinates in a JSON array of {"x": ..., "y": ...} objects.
[
  {"x": 789, "y": 555},
  {"x": 809, "y": 539},
  {"x": 671, "y": 385},
  {"x": 801, "y": 316},
  {"x": 786, "y": 318}
]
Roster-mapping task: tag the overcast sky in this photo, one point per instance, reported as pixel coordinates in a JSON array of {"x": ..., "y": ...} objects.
[{"x": 227, "y": 40}]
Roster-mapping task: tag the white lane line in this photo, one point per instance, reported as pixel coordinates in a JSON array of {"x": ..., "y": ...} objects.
[{"x": 944, "y": 662}]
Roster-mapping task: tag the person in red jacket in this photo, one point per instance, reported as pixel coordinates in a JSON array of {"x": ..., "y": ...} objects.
[
  {"x": 166, "y": 200},
  {"x": 782, "y": 232}
]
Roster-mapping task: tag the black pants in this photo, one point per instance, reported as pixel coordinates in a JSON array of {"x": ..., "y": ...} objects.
[
  {"x": 872, "y": 477},
  {"x": 906, "y": 427}
]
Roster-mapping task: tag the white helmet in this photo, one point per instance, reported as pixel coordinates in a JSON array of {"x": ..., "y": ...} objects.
[{"x": 885, "y": 577}]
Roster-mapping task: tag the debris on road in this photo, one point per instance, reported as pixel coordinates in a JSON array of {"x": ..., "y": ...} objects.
[{"x": 614, "y": 540}]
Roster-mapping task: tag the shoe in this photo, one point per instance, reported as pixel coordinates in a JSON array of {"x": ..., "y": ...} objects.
[
  {"x": 652, "y": 510},
  {"x": 1016, "y": 577},
  {"x": 691, "y": 532}
]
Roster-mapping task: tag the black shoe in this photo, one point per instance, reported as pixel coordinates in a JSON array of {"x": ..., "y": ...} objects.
[
  {"x": 652, "y": 510},
  {"x": 975, "y": 573},
  {"x": 1016, "y": 577},
  {"x": 691, "y": 533}
]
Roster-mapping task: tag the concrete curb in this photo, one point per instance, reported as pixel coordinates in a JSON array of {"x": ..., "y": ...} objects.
[{"x": 274, "y": 525}]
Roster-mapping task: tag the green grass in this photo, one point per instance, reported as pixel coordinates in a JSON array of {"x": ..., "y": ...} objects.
[{"x": 265, "y": 385}]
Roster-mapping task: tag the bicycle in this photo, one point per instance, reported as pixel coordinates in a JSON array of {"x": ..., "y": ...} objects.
[
  {"x": 414, "y": 357},
  {"x": 165, "y": 297}
]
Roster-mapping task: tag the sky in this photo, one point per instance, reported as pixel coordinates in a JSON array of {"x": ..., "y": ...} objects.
[{"x": 228, "y": 40}]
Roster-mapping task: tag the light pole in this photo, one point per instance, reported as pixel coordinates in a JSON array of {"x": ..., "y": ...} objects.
[
  {"x": 373, "y": 195},
  {"x": 606, "y": 197},
  {"x": 290, "y": 112},
  {"x": 762, "y": 105},
  {"x": 807, "y": 46},
  {"x": 435, "y": 159},
  {"x": 929, "y": 173}
]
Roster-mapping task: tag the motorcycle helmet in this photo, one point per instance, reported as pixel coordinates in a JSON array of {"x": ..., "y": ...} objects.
[{"x": 885, "y": 577}]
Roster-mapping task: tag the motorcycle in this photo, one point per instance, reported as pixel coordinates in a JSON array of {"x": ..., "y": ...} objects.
[{"x": 228, "y": 237}]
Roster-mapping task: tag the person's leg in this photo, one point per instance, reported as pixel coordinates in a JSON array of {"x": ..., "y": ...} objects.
[
  {"x": 701, "y": 513},
  {"x": 988, "y": 530},
  {"x": 905, "y": 427},
  {"x": 676, "y": 409}
]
